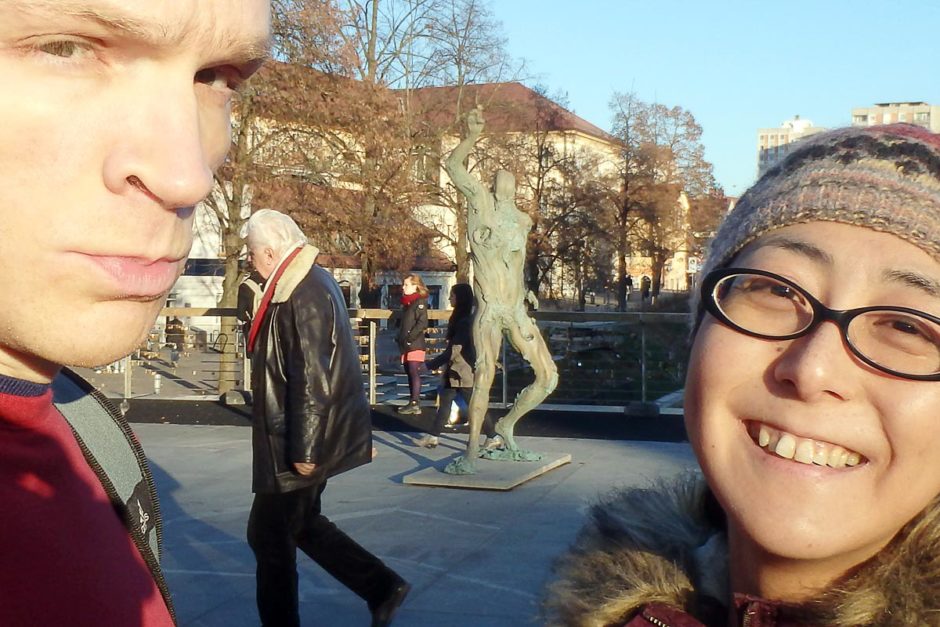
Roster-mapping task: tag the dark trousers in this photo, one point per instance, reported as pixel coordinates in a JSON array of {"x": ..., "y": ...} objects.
[
  {"x": 278, "y": 525},
  {"x": 445, "y": 397}
]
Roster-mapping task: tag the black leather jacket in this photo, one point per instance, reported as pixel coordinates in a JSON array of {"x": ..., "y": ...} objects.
[
  {"x": 309, "y": 402},
  {"x": 414, "y": 322}
]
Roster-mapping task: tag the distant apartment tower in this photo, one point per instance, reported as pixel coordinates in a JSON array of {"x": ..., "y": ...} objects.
[
  {"x": 773, "y": 144},
  {"x": 919, "y": 113}
]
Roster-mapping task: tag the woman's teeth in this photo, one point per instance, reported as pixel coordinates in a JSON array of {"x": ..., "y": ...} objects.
[{"x": 803, "y": 450}]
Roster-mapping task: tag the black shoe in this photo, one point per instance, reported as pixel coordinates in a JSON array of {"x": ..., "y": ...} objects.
[
  {"x": 383, "y": 614},
  {"x": 411, "y": 408}
]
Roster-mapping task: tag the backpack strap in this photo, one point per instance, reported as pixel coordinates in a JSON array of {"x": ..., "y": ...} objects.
[{"x": 114, "y": 454}]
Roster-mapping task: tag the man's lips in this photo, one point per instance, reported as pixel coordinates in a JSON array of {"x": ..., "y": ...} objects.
[{"x": 135, "y": 277}]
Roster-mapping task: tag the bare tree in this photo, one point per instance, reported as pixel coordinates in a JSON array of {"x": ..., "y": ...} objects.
[
  {"x": 661, "y": 157},
  {"x": 327, "y": 132},
  {"x": 578, "y": 226},
  {"x": 304, "y": 32},
  {"x": 463, "y": 48}
]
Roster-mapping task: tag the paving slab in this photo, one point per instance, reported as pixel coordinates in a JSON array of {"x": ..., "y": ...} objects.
[{"x": 474, "y": 558}]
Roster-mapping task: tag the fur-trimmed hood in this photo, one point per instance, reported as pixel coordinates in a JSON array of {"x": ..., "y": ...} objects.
[
  {"x": 295, "y": 272},
  {"x": 666, "y": 545}
]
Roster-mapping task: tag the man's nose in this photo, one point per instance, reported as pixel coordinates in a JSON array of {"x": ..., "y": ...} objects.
[{"x": 161, "y": 147}]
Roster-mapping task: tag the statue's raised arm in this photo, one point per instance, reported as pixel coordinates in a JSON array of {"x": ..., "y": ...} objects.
[{"x": 469, "y": 185}]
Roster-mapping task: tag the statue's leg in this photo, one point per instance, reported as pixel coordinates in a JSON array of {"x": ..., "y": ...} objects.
[
  {"x": 527, "y": 339},
  {"x": 487, "y": 336}
]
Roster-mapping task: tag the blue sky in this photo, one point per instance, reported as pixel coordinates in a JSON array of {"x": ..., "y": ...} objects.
[{"x": 737, "y": 66}]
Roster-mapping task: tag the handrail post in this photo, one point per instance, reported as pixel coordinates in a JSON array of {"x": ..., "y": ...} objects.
[
  {"x": 372, "y": 377},
  {"x": 642, "y": 359},
  {"x": 127, "y": 377},
  {"x": 246, "y": 364}
]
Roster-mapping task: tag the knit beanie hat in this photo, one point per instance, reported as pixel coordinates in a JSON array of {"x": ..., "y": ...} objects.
[{"x": 885, "y": 178}]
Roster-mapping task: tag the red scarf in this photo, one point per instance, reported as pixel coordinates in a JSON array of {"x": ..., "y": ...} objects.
[
  {"x": 266, "y": 299},
  {"x": 407, "y": 299}
]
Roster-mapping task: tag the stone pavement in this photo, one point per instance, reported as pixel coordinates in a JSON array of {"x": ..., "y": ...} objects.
[{"x": 474, "y": 558}]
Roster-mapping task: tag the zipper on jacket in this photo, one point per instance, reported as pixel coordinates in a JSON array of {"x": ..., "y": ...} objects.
[
  {"x": 655, "y": 621},
  {"x": 749, "y": 613}
]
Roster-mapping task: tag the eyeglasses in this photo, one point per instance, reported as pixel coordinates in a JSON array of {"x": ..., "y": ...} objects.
[{"x": 897, "y": 340}]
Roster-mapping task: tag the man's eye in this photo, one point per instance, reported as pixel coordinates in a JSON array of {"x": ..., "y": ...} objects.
[
  {"x": 65, "y": 48},
  {"x": 225, "y": 77}
]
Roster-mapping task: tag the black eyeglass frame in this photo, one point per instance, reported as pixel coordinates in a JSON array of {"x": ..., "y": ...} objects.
[{"x": 821, "y": 313}]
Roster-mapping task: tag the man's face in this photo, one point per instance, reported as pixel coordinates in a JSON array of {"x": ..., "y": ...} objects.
[
  {"x": 262, "y": 259},
  {"x": 115, "y": 115}
]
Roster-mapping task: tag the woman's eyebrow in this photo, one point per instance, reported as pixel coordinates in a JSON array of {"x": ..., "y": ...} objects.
[
  {"x": 922, "y": 282},
  {"x": 798, "y": 246}
]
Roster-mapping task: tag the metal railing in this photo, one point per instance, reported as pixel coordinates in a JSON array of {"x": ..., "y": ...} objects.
[{"x": 605, "y": 360}]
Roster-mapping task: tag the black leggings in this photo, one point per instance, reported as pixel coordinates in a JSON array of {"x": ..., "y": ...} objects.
[{"x": 413, "y": 369}]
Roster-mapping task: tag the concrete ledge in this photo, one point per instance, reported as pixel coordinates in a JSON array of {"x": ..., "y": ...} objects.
[
  {"x": 236, "y": 397},
  {"x": 641, "y": 409},
  {"x": 490, "y": 475}
]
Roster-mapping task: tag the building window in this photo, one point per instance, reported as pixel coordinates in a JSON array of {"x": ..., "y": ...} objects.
[
  {"x": 859, "y": 119},
  {"x": 922, "y": 117}
]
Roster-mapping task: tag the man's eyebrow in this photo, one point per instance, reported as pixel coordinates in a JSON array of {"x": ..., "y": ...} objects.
[
  {"x": 234, "y": 47},
  {"x": 798, "y": 246}
]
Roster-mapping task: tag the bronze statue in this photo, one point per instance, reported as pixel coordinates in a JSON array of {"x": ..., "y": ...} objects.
[{"x": 498, "y": 233}]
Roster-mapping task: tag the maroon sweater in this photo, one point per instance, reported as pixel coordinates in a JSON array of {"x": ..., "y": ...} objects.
[{"x": 65, "y": 556}]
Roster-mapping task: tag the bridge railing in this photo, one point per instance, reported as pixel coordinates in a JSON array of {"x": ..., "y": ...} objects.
[{"x": 605, "y": 360}]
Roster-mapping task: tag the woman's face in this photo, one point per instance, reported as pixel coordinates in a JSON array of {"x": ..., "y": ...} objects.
[
  {"x": 453, "y": 298},
  {"x": 812, "y": 391},
  {"x": 408, "y": 287}
]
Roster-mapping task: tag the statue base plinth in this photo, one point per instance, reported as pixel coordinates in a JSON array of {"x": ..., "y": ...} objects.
[{"x": 490, "y": 475}]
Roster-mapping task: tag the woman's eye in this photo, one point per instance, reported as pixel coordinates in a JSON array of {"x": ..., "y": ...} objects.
[
  {"x": 905, "y": 327},
  {"x": 781, "y": 290},
  {"x": 760, "y": 286}
]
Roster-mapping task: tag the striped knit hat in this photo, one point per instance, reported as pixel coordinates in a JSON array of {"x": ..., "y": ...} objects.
[{"x": 885, "y": 178}]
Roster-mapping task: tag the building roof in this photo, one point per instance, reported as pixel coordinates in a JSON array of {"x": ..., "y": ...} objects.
[
  {"x": 507, "y": 107},
  {"x": 913, "y": 103}
]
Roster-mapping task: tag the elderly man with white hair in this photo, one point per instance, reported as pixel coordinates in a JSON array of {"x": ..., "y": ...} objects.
[{"x": 311, "y": 421}]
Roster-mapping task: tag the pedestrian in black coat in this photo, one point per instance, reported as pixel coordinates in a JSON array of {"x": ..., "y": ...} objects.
[
  {"x": 311, "y": 421},
  {"x": 411, "y": 342}
]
